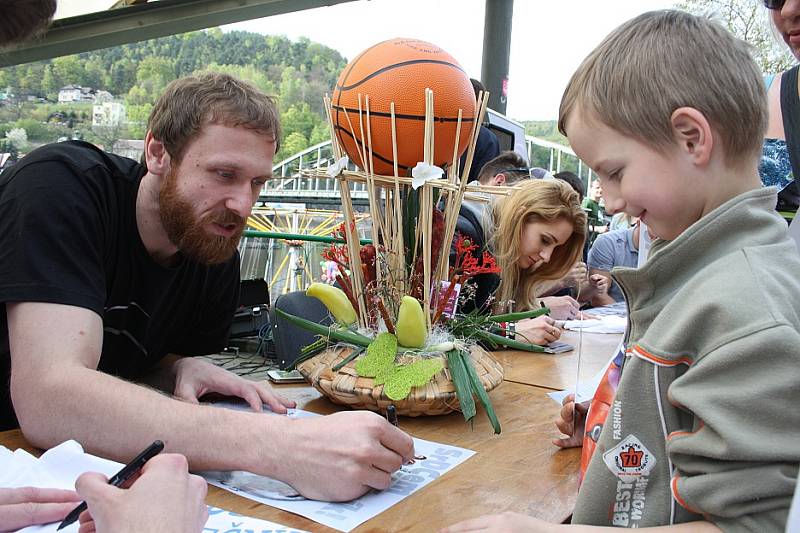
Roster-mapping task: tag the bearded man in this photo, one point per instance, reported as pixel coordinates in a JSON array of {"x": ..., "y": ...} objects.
[{"x": 111, "y": 269}]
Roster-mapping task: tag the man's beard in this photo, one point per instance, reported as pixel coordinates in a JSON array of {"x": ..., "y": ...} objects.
[{"x": 188, "y": 233}]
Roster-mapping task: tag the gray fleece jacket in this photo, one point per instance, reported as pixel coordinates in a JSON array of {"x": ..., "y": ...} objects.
[{"x": 705, "y": 423}]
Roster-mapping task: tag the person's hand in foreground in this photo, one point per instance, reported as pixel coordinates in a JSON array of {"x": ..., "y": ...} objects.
[
  {"x": 540, "y": 330},
  {"x": 27, "y": 506},
  {"x": 165, "y": 497},
  {"x": 341, "y": 456},
  {"x": 507, "y": 522},
  {"x": 195, "y": 378},
  {"x": 571, "y": 422}
]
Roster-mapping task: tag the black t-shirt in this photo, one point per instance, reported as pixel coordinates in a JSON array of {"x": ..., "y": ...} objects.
[{"x": 68, "y": 235}]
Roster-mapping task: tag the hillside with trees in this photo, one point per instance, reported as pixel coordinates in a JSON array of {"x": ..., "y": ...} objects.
[{"x": 297, "y": 73}]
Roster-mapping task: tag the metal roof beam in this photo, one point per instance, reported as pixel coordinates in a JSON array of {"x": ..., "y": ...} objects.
[{"x": 146, "y": 21}]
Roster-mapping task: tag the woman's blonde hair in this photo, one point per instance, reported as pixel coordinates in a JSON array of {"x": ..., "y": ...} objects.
[{"x": 535, "y": 201}]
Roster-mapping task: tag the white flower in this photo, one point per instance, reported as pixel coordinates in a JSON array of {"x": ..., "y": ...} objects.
[
  {"x": 423, "y": 172},
  {"x": 336, "y": 168}
]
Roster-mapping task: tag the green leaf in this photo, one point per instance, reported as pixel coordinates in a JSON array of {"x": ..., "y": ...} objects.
[
  {"x": 480, "y": 392},
  {"x": 352, "y": 355},
  {"x": 404, "y": 378},
  {"x": 380, "y": 354},
  {"x": 511, "y": 343},
  {"x": 341, "y": 335},
  {"x": 514, "y": 317},
  {"x": 461, "y": 382}
]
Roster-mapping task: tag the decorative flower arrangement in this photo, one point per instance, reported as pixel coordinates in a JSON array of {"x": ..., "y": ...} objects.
[{"x": 396, "y": 298}]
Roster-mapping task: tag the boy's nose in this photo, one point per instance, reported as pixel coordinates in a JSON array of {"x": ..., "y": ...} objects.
[{"x": 614, "y": 205}]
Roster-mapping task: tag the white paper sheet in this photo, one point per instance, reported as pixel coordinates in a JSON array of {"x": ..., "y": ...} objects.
[
  {"x": 59, "y": 467},
  {"x": 438, "y": 459},
  {"x": 604, "y": 324}
]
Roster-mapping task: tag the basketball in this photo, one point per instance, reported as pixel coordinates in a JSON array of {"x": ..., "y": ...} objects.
[{"x": 399, "y": 71}]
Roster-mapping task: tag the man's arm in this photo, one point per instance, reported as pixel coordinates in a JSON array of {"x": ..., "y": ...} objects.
[{"x": 58, "y": 394}]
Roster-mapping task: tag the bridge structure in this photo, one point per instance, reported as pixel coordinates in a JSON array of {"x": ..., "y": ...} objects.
[
  {"x": 296, "y": 214},
  {"x": 291, "y": 187}
]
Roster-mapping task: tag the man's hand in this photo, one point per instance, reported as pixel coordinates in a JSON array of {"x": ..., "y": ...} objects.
[
  {"x": 507, "y": 522},
  {"x": 571, "y": 422},
  {"x": 28, "y": 506},
  {"x": 194, "y": 378},
  {"x": 341, "y": 456},
  {"x": 164, "y": 498},
  {"x": 599, "y": 284}
]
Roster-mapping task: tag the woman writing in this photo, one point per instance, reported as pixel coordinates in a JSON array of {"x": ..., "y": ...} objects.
[{"x": 535, "y": 234}]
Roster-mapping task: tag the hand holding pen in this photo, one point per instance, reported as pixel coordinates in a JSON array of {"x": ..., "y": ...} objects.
[{"x": 164, "y": 498}]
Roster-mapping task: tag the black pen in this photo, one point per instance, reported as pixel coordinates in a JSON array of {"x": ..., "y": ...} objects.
[
  {"x": 391, "y": 415},
  {"x": 119, "y": 478}
]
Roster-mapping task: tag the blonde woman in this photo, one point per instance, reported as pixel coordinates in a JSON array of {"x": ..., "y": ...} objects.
[{"x": 536, "y": 233}]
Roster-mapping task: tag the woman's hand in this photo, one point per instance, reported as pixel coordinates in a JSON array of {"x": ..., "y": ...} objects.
[
  {"x": 562, "y": 307},
  {"x": 540, "y": 330},
  {"x": 27, "y": 506}
]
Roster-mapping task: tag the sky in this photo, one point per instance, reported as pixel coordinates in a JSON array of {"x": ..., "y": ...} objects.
[{"x": 548, "y": 38}]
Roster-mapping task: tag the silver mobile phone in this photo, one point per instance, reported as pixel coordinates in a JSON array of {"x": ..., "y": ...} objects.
[{"x": 284, "y": 376}]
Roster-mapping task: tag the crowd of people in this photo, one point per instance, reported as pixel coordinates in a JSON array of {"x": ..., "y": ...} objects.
[{"x": 103, "y": 287}]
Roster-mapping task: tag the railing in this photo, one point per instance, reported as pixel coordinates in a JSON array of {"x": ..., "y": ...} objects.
[
  {"x": 290, "y": 259},
  {"x": 541, "y": 153}
]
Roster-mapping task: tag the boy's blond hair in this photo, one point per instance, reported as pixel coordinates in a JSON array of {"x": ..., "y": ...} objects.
[{"x": 663, "y": 60}]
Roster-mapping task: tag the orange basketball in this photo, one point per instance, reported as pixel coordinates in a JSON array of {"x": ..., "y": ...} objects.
[{"x": 399, "y": 71}]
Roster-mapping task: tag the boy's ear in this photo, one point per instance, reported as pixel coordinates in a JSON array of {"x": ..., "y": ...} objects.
[
  {"x": 499, "y": 179},
  {"x": 693, "y": 133},
  {"x": 155, "y": 155}
]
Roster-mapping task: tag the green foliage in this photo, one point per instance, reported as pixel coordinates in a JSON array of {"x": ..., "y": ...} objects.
[
  {"x": 35, "y": 130},
  {"x": 298, "y": 74}
]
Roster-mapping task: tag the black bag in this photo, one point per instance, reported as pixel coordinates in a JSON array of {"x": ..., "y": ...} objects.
[
  {"x": 252, "y": 316},
  {"x": 250, "y": 322},
  {"x": 289, "y": 338}
]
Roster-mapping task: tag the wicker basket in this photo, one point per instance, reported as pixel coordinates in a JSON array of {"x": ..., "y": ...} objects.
[{"x": 437, "y": 397}]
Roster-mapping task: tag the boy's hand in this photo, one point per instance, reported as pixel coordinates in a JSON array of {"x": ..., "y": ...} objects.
[{"x": 572, "y": 422}]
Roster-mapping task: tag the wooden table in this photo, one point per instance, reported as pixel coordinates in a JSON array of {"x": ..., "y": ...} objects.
[
  {"x": 518, "y": 470},
  {"x": 558, "y": 371}
]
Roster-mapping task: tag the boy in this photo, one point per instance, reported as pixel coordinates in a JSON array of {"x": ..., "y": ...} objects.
[{"x": 670, "y": 111}]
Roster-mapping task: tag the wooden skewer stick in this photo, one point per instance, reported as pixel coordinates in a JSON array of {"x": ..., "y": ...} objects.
[{"x": 398, "y": 209}]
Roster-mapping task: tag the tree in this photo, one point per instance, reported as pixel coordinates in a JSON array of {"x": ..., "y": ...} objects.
[
  {"x": 292, "y": 143},
  {"x": 18, "y": 138},
  {"x": 746, "y": 19}
]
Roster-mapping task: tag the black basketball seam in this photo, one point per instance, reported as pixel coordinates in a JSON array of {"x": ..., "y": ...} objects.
[
  {"x": 397, "y": 65},
  {"x": 402, "y": 116},
  {"x": 374, "y": 153}
]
